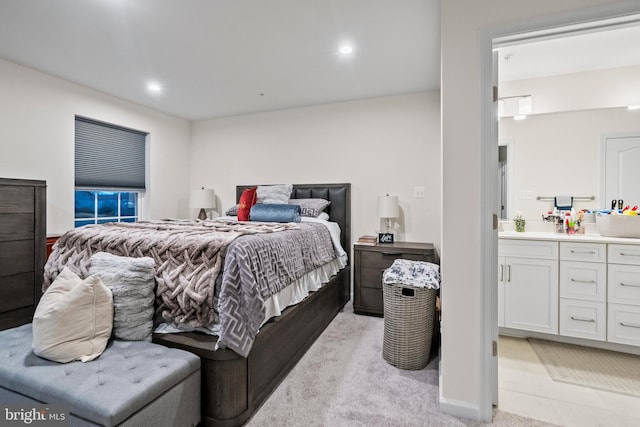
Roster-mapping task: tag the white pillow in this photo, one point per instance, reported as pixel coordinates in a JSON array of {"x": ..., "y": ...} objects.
[
  {"x": 132, "y": 282},
  {"x": 73, "y": 320},
  {"x": 277, "y": 194}
]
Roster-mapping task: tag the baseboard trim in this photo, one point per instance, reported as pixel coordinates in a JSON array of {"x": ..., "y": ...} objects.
[{"x": 458, "y": 408}]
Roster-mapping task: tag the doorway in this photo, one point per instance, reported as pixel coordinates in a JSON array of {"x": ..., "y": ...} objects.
[{"x": 521, "y": 362}]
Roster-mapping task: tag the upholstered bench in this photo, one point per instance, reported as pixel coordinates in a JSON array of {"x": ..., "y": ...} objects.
[{"x": 132, "y": 383}]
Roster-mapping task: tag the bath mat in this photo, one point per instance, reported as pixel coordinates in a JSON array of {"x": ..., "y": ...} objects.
[{"x": 590, "y": 367}]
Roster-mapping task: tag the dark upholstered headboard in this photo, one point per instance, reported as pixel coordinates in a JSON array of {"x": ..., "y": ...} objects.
[{"x": 339, "y": 210}]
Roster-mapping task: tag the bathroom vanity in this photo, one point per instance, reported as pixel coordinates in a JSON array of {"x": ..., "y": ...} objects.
[{"x": 582, "y": 289}]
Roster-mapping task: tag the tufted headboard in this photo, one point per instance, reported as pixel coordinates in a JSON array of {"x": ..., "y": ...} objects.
[{"x": 339, "y": 210}]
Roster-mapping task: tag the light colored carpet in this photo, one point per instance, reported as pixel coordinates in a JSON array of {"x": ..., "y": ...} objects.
[
  {"x": 344, "y": 381},
  {"x": 590, "y": 367}
]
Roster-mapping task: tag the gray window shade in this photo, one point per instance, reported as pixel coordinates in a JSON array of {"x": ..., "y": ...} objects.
[{"x": 109, "y": 156}]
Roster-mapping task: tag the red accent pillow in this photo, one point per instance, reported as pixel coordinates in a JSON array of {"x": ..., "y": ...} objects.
[{"x": 248, "y": 198}]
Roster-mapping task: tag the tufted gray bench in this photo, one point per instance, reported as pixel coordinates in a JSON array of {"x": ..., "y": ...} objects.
[{"x": 133, "y": 383}]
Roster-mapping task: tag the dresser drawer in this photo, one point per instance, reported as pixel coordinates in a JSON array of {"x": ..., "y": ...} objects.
[
  {"x": 583, "y": 280},
  {"x": 591, "y": 252},
  {"x": 624, "y": 254},
  {"x": 624, "y": 284},
  {"x": 20, "y": 287},
  {"x": 528, "y": 248},
  {"x": 583, "y": 319},
  {"x": 16, "y": 227},
  {"x": 624, "y": 324},
  {"x": 16, "y": 257}
]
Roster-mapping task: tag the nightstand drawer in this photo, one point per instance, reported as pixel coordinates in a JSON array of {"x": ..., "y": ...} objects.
[
  {"x": 384, "y": 259},
  {"x": 371, "y": 300},
  {"x": 371, "y": 277}
]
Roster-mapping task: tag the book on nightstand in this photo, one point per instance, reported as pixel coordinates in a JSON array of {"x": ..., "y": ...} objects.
[{"x": 367, "y": 240}]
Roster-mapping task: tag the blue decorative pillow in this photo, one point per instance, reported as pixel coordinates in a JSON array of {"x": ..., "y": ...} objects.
[{"x": 275, "y": 212}]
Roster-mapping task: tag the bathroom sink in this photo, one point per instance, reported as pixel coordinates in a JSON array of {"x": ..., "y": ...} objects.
[{"x": 618, "y": 225}]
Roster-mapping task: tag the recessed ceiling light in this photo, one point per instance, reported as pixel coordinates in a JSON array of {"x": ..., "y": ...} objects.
[
  {"x": 345, "y": 49},
  {"x": 154, "y": 87}
]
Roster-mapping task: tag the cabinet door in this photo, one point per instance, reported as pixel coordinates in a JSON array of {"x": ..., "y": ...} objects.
[
  {"x": 531, "y": 294},
  {"x": 501, "y": 280}
]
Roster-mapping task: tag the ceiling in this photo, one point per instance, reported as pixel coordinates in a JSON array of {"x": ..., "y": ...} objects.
[
  {"x": 217, "y": 58},
  {"x": 610, "y": 48}
]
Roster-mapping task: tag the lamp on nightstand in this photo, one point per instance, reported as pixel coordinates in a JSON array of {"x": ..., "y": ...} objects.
[
  {"x": 202, "y": 199},
  {"x": 388, "y": 208}
]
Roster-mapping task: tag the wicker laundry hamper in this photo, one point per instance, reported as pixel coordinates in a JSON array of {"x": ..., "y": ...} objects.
[{"x": 409, "y": 316}]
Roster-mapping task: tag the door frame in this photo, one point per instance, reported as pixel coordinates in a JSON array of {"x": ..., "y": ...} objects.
[
  {"x": 603, "y": 159},
  {"x": 589, "y": 19}
]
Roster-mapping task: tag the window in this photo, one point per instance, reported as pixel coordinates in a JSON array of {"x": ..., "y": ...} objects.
[
  {"x": 109, "y": 172},
  {"x": 98, "y": 207}
]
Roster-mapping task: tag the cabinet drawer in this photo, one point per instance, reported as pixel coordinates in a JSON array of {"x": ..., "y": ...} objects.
[
  {"x": 16, "y": 257},
  {"x": 371, "y": 277},
  {"x": 583, "y": 319},
  {"x": 583, "y": 280},
  {"x": 370, "y": 300},
  {"x": 624, "y": 254},
  {"x": 593, "y": 252},
  {"x": 624, "y": 324},
  {"x": 20, "y": 287},
  {"x": 624, "y": 284},
  {"x": 528, "y": 248},
  {"x": 384, "y": 259},
  {"x": 16, "y": 227}
]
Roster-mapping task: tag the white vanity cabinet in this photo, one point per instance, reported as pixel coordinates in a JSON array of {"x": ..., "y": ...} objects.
[
  {"x": 624, "y": 294},
  {"x": 528, "y": 285},
  {"x": 583, "y": 290}
]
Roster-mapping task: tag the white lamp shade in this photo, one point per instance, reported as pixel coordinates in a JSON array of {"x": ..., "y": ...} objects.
[
  {"x": 204, "y": 198},
  {"x": 388, "y": 206}
]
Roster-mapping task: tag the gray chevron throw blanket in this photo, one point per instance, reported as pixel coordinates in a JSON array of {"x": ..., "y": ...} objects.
[
  {"x": 188, "y": 256},
  {"x": 258, "y": 266}
]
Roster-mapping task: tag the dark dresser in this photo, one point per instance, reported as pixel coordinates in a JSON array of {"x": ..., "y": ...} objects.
[
  {"x": 369, "y": 263},
  {"x": 22, "y": 249}
]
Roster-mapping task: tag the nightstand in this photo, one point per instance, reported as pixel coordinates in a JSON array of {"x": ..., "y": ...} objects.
[{"x": 370, "y": 261}]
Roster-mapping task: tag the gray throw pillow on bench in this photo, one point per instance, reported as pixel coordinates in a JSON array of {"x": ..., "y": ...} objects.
[{"x": 132, "y": 283}]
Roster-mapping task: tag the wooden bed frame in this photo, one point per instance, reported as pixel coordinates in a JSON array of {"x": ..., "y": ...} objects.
[{"x": 234, "y": 387}]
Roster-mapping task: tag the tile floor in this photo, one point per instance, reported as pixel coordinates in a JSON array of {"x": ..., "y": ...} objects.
[{"x": 526, "y": 389}]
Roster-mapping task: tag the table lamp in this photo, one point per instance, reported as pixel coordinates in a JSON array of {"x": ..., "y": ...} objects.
[
  {"x": 202, "y": 199},
  {"x": 388, "y": 208}
]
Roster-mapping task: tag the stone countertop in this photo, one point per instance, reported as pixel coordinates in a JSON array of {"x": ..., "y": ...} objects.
[{"x": 558, "y": 237}]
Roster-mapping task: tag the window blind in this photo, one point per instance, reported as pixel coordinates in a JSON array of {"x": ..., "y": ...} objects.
[{"x": 108, "y": 156}]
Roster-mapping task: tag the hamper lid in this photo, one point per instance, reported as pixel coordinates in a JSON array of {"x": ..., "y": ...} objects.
[{"x": 420, "y": 274}]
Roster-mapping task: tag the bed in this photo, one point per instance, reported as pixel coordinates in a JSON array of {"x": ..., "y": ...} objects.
[{"x": 235, "y": 383}]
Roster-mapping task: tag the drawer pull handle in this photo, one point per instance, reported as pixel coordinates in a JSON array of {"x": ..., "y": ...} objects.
[
  {"x": 626, "y": 254},
  {"x": 508, "y": 273},
  {"x": 583, "y": 252},
  {"x": 631, "y": 285},
  {"x": 580, "y": 319},
  {"x": 629, "y": 325},
  {"x": 501, "y": 272},
  {"x": 582, "y": 281},
  {"x": 391, "y": 253}
]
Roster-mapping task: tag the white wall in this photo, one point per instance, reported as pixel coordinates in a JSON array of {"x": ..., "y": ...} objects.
[
  {"x": 608, "y": 88},
  {"x": 37, "y": 113},
  {"x": 561, "y": 154},
  {"x": 463, "y": 22},
  {"x": 381, "y": 145}
]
